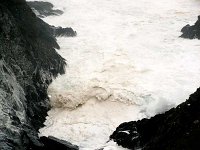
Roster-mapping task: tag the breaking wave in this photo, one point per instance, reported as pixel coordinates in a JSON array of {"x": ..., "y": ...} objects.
[{"x": 126, "y": 63}]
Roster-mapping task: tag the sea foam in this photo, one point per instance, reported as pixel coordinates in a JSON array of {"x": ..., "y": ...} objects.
[{"x": 126, "y": 63}]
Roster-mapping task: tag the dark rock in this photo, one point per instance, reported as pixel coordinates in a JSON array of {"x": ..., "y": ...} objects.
[
  {"x": 28, "y": 62},
  {"x": 18, "y": 1},
  {"x": 59, "y": 31},
  {"x": 43, "y": 9},
  {"x": 177, "y": 129},
  {"x": 191, "y": 32},
  {"x": 54, "y": 143}
]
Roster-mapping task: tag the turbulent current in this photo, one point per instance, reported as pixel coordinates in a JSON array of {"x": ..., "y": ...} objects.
[{"x": 126, "y": 63}]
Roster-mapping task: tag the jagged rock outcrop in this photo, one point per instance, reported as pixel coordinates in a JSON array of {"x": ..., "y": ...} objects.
[
  {"x": 191, "y": 32},
  {"x": 28, "y": 62},
  {"x": 177, "y": 129},
  {"x": 44, "y": 9}
]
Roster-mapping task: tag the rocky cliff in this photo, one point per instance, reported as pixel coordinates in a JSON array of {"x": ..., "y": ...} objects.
[{"x": 28, "y": 62}]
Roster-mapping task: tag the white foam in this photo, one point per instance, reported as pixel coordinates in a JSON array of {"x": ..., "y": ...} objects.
[{"x": 126, "y": 63}]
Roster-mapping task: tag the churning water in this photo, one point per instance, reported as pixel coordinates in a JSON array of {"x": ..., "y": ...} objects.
[{"x": 126, "y": 63}]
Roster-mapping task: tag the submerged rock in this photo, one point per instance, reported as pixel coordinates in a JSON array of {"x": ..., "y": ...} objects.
[
  {"x": 191, "y": 32},
  {"x": 177, "y": 129},
  {"x": 28, "y": 62},
  {"x": 44, "y": 9}
]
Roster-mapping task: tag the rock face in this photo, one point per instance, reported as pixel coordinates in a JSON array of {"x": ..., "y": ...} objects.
[
  {"x": 177, "y": 129},
  {"x": 192, "y": 32},
  {"x": 28, "y": 62},
  {"x": 43, "y": 9}
]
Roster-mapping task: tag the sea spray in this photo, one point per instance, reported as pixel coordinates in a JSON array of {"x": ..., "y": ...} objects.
[{"x": 126, "y": 63}]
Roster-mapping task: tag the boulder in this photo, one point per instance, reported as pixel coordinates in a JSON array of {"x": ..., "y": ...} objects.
[{"x": 191, "y": 32}]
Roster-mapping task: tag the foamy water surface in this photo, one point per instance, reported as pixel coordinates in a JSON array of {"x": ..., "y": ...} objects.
[{"x": 127, "y": 62}]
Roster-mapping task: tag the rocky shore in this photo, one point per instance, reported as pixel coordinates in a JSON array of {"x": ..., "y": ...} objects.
[
  {"x": 44, "y": 9},
  {"x": 176, "y": 129},
  {"x": 28, "y": 62}
]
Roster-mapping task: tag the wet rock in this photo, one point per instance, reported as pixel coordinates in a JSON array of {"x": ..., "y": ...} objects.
[
  {"x": 44, "y": 9},
  {"x": 59, "y": 31},
  {"x": 177, "y": 129},
  {"x": 54, "y": 143},
  {"x": 191, "y": 32},
  {"x": 28, "y": 63}
]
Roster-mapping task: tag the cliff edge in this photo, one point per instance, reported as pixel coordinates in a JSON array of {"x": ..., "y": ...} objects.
[{"x": 28, "y": 62}]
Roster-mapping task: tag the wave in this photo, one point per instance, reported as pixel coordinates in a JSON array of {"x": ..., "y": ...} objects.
[{"x": 126, "y": 63}]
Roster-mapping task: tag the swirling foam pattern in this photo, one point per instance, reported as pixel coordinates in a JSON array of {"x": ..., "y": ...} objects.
[{"x": 127, "y": 62}]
